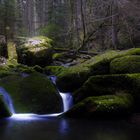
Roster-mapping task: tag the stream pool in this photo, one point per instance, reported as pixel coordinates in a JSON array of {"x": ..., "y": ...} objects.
[{"x": 53, "y": 128}]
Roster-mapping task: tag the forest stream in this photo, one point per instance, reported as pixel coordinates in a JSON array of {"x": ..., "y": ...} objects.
[
  {"x": 69, "y": 69},
  {"x": 52, "y": 127},
  {"x": 66, "y": 99}
]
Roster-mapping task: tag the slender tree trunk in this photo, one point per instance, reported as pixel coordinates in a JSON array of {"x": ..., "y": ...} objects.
[
  {"x": 83, "y": 21},
  {"x": 114, "y": 24}
]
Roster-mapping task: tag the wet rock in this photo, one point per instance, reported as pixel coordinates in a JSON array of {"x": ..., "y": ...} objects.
[
  {"x": 4, "y": 110},
  {"x": 35, "y": 51},
  {"x": 34, "y": 93},
  {"x": 107, "y": 106}
]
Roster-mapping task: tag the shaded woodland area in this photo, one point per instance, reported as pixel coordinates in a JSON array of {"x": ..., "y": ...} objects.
[
  {"x": 79, "y": 24},
  {"x": 52, "y": 51}
]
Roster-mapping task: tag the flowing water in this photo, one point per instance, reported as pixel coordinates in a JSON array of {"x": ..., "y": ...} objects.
[
  {"x": 54, "y": 128},
  {"x": 66, "y": 98},
  {"x": 51, "y": 127},
  {"x": 7, "y": 99}
]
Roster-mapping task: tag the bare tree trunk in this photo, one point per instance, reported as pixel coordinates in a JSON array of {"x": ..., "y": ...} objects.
[
  {"x": 83, "y": 21},
  {"x": 114, "y": 24}
]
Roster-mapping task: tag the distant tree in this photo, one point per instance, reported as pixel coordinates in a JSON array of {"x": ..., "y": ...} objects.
[
  {"x": 7, "y": 18},
  {"x": 78, "y": 24}
]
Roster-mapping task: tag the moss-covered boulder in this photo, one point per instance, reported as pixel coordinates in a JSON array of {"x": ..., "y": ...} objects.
[
  {"x": 103, "y": 106},
  {"x": 73, "y": 77},
  {"x": 36, "y": 51},
  {"x": 54, "y": 70},
  {"x": 14, "y": 69},
  {"x": 38, "y": 69},
  {"x": 59, "y": 56},
  {"x": 103, "y": 85},
  {"x": 32, "y": 94},
  {"x": 126, "y": 64},
  {"x": 133, "y": 51},
  {"x": 5, "y": 71},
  {"x": 110, "y": 85},
  {"x": 4, "y": 110}
]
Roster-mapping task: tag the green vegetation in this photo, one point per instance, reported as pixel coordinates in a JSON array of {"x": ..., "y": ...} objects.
[
  {"x": 103, "y": 106},
  {"x": 34, "y": 93},
  {"x": 13, "y": 69},
  {"x": 12, "y": 54},
  {"x": 54, "y": 70},
  {"x": 80, "y": 73},
  {"x": 50, "y": 30},
  {"x": 78, "y": 42},
  {"x": 126, "y": 64},
  {"x": 102, "y": 85},
  {"x": 36, "y": 51},
  {"x": 109, "y": 84},
  {"x": 98, "y": 65},
  {"x": 57, "y": 56}
]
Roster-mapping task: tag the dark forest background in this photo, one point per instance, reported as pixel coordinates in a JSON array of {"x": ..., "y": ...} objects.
[{"x": 78, "y": 24}]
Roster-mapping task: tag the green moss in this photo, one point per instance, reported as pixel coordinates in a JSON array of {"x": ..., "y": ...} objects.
[
  {"x": 54, "y": 70},
  {"x": 36, "y": 51},
  {"x": 38, "y": 41},
  {"x": 24, "y": 69},
  {"x": 58, "y": 56},
  {"x": 4, "y": 111},
  {"x": 103, "y": 106},
  {"x": 110, "y": 84},
  {"x": 102, "y": 85},
  {"x": 33, "y": 94},
  {"x": 13, "y": 69},
  {"x": 38, "y": 69},
  {"x": 12, "y": 54},
  {"x": 72, "y": 78},
  {"x": 134, "y": 51},
  {"x": 5, "y": 71},
  {"x": 126, "y": 64}
]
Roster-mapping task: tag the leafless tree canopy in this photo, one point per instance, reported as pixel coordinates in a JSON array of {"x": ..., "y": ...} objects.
[{"x": 79, "y": 24}]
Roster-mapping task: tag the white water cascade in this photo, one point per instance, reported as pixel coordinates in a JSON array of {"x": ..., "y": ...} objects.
[
  {"x": 66, "y": 98},
  {"x": 7, "y": 99}
]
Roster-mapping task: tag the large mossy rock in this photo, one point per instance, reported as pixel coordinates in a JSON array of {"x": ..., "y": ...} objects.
[
  {"x": 102, "y": 85},
  {"x": 110, "y": 85},
  {"x": 126, "y": 64},
  {"x": 54, "y": 70},
  {"x": 32, "y": 94},
  {"x": 12, "y": 69},
  {"x": 103, "y": 106},
  {"x": 4, "y": 110},
  {"x": 35, "y": 51},
  {"x": 72, "y": 78}
]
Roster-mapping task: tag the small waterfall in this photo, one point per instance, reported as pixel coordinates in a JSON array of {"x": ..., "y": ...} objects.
[
  {"x": 7, "y": 99},
  {"x": 66, "y": 97},
  {"x": 67, "y": 101}
]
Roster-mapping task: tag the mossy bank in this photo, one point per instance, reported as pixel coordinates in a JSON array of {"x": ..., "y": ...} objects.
[{"x": 32, "y": 94}]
